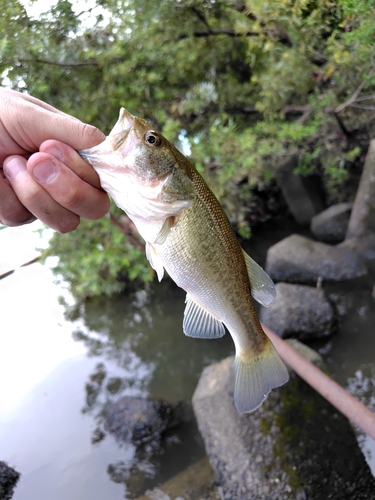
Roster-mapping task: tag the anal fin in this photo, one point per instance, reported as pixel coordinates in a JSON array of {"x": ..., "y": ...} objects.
[{"x": 199, "y": 323}]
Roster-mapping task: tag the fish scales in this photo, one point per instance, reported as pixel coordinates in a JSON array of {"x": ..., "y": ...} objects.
[
  {"x": 208, "y": 249},
  {"x": 188, "y": 234}
]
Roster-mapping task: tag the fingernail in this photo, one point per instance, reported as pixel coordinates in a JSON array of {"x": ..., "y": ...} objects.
[
  {"x": 45, "y": 171},
  {"x": 14, "y": 167},
  {"x": 56, "y": 152}
]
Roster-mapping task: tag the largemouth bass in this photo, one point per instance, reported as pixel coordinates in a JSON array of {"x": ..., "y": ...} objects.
[{"x": 188, "y": 234}]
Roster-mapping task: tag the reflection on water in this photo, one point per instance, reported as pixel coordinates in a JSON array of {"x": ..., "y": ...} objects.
[
  {"x": 362, "y": 386},
  {"x": 351, "y": 353},
  {"x": 142, "y": 334},
  {"x": 59, "y": 373}
]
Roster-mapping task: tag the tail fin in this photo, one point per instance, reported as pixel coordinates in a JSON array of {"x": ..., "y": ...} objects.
[{"x": 256, "y": 376}]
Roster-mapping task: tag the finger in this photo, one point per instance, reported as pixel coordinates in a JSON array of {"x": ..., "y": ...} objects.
[
  {"x": 72, "y": 159},
  {"x": 36, "y": 199},
  {"x": 12, "y": 212},
  {"x": 67, "y": 188},
  {"x": 12, "y": 94},
  {"x": 30, "y": 125}
]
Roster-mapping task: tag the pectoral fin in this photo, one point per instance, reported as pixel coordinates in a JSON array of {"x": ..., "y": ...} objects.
[
  {"x": 154, "y": 261},
  {"x": 262, "y": 288},
  {"x": 162, "y": 236},
  {"x": 199, "y": 323}
]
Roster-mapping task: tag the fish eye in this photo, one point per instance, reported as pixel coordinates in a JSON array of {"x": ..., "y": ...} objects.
[{"x": 153, "y": 138}]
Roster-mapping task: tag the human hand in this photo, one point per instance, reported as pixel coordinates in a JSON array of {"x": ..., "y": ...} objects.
[{"x": 43, "y": 176}]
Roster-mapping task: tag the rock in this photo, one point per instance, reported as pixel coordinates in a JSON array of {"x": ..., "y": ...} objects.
[
  {"x": 139, "y": 421},
  {"x": 365, "y": 247},
  {"x": 303, "y": 194},
  {"x": 298, "y": 259},
  {"x": 295, "y": 446},
  {"x": 299, "y": 311},
  {"x": 362, "y": 219},
  {"x": 313, "y": 356},
  {"x": 197, "y": 481},
  {"x": 8, "y": 480},
  {"x": 331, "y": 225}
]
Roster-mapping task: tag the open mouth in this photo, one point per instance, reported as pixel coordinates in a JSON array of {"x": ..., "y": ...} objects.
[{"x": 120, "y": 142}]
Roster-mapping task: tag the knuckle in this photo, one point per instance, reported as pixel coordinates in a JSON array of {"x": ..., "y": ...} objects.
[
  {"x": 68, "y": 225},
  {"x": 72, "y": 198},
  {"x": 96, "y": 211},
  {"x": 92, "y": 134},
  {"x": 15, "y": 215}
]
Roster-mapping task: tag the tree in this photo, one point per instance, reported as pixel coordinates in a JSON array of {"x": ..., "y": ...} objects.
[{"x": 241, "y": 84}]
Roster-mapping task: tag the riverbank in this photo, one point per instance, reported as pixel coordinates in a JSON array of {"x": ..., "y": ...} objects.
[{"x": 138, "y": 341}]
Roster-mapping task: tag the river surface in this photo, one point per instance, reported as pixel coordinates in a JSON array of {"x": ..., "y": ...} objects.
[{"x": 61, "y": 365}]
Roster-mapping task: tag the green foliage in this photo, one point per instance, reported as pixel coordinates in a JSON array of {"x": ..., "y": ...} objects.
[
  {"x": 97, "y": 258},
  {"x": 246, "y": 84}
]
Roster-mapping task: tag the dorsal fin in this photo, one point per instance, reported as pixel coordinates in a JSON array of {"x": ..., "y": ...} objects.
[
  {"x": 199, "y": 323},
  {"x": 262, "y": 288}
]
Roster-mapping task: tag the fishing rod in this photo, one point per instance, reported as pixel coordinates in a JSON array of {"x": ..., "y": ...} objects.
[{"x": 347, "y": 404}]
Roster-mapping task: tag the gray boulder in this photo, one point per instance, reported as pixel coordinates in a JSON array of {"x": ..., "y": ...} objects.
[
  {"x": 365, "y": 247},
  {"x": 138, "y": 421},
  {"x": 295, "y": 446},
  {"x": 298, "y": 259},
  {"x": 303, "y": 194},
  {"x": 299, "y": 311},
  {"x": 331, "y": 225},
  {"x": 362, "y": 220},
  {"x": 195, "y": 482},
  {"x": 361, "y": 228},
  {"x": 8, "y": 480}
]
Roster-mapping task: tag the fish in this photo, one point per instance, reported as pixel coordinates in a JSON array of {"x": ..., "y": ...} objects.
[{"x": 188, "y": 235}]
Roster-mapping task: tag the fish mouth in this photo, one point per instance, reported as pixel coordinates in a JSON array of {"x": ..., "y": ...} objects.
[{"x": 121, "y": 140}]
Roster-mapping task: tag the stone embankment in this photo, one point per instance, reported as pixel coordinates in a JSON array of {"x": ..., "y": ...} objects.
[
  {"x": 296, "y": 445},
  {"x": 299, "y": 311},
  {"x": 297, "y": 259}
]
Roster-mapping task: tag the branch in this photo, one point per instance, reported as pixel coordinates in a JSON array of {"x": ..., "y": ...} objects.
[
  {"x": 354, "y": 97},
  {"x": 365, "y": 97},
  {"x": 245, "y": 110},
  {"x": 283, "y": 38},
  {"x": 296, "y": 110},
  {"x": 340, "y": 123},
  {"x": 305, "y": 116},
  {"x": 201, "y": 17},
  {"x": 305, "y": 111},
  {"x": 361, "y": 106},
  {"x": 127, "y": 227},
  {"x": 369, "y": 120},
  {"x": 241, "y": 7},
  {"x": 202, "y": 34},
  {"x": 54, "y": 63}
]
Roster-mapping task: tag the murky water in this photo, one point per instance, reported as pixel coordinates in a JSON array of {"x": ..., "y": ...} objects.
[{"x": 59, "y": 371}]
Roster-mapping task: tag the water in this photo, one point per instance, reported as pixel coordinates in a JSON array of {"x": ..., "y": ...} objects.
[{"x": 59, "y": 371}]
